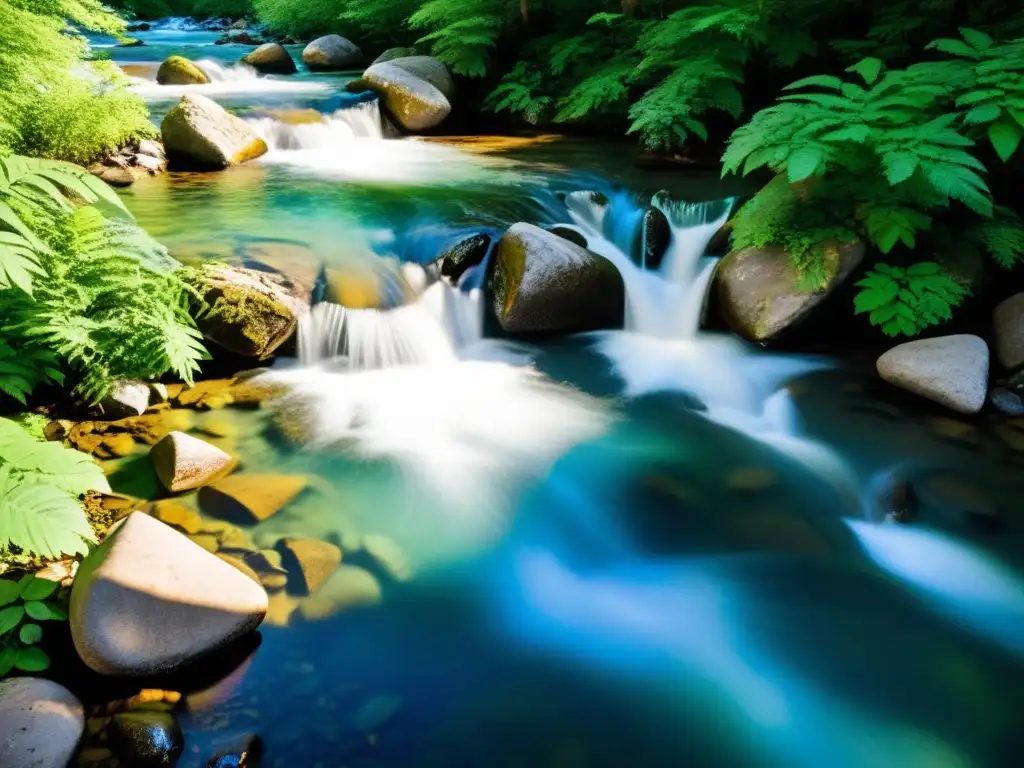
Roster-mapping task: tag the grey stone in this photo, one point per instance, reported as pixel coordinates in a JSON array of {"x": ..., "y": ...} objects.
[
  {"x": 542, "y": 283},
  {"x": 394, "y": 53},
  {"x": 149, "y": 600},
  {"x": 127, "y": 398},
  {"x": 1008, "y": 331},
  {"x": 759, "y": 291},
  {"x": 331, "y": 52},
  {"x": 1006, "y": 401},
  {"x": 40, "y": 723},
  {"x": 951, "y": 370},
  {"x": 146, "y": 739},
  {"x": 152, "y": 148},
  {"x": 271, "y": 59},
  {"x": 657, "y": 236},
  {"x": 463, "y": 255},
  {"x": 434, "y": 71},
  {"x": 413, "y": 102}
]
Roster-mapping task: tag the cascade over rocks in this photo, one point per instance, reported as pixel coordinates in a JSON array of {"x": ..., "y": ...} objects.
[
  {"x": 271, "y": 59},
  {"x": 40, "y": 723},
  {"x": 149, "y": 600},
  {"x": 331, "y": 53},
  {"x": 413, "y": 101},
  {"x": 1008, "y": 331},
  {"x": 759, "y": 290},
  {"x": 951, "y": 370},
  {"x": 542, "y": 283},
  {"x": 199, "y": 134},
  {"x": 252, "y": 312},
  {"x": 177, "y": 70}
]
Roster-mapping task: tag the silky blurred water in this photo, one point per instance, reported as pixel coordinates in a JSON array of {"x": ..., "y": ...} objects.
[{"x": 644, "y": 547}]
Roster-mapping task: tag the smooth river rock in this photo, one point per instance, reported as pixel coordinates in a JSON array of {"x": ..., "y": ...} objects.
[
  {"x": 542, "y": 283},
  {"x": 394, "y": 53},
  {"x": 1008, "y": 331},
  {"x": 331, "y": 52},
  {"x": 464, "y": 255},
  {"x": 271, "y": 59},
  {"x": 149, "y": 600},
  {"x": 951, "y": 370},
  {"x": 146, "y": 739},
  {"x": 126, "y": 398},
  {"x": 250, "y": 499},
  {"x": 183, "y": 462},
  {"x": 251, "y": 312},
  {"x": 412, "y": 101},
  {"x": 40, "y": 723},
  {"x": 177, "y": 70},
  {"x": 759, "y": 291},
  {"x": 199, "y": 134},
  {"x": 349, "y": 587},
  {"x": 434, "y": 71}
]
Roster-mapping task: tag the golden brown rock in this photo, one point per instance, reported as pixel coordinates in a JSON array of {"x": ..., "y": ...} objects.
[
  {"x": 249, "y": 499},
  {"x": 309, "y": 563},
  {"x": 183, "y": 462}
]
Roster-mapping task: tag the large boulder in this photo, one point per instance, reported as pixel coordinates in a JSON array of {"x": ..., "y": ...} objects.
[
  {"x": 40, "y": 723},
  {"x": 331, "y": 52},
  {"x": 1008, "y": 331},
  {"x": 271, "y": 59},
  {"x": 434, "y": 71},
  {"x": 394, "y": 53},
  {"x": 412, "y": 101},
  {"x": 149, "y": 600},
  {"x": 250, "y": 312},
  {"x": 199, "y": 134},
  {"x": 951, "y": 370},
  {"x": 177, "y": 70},
  {"x": 542, "y": 283},
  {"x": 759, "y": 290},
  {"x": 184, "y": 463}
]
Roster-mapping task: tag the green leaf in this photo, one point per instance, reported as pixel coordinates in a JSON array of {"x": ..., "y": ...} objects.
[
  {"x": 10, "y": 617},
  {"x": 979, "y": 40},
  {"x": 38, "y": 589},
  {"x": 65, "y": 468},
  {"x": 899, "y": 166},
  {"x": 923, "y": 268},
  {"x": 1005, "y": 138},
  {"x": 41, "y": 611},
  {"x": 868, "y": 68},
  {"x": 30, "y": 634},
  {"x": 9, "y": 591},
  {"x": 32, "y": 659},
  {"x": 803, "y": 163},
  {"x": 820, "y": 81},
  {"x": 7, "y": 657},
  {"x": 41, "y": 519}
]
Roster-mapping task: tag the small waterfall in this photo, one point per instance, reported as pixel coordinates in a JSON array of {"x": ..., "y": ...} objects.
[
  {"x": 666, "y": 303},
  {"x": 429, "y": 331},
  {"x": 362, "y": 121},
  {"x": 236, "y": 73}
]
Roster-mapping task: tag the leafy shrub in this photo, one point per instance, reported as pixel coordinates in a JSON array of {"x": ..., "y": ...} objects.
[
  {"x": 110, "y": 306},
  {"x": 40, "y": 482},
  {"x": 22, "y": 604},
  {"x": 906, "y": 301},
  {"x": 56, "y": 104}
]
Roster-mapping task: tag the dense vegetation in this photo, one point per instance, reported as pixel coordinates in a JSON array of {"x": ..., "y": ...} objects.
[
  {"x": 905, "y": 114},
  {"x": 55, "y": 104}
]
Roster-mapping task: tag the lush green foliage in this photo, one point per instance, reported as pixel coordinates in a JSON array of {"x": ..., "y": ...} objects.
[
  {"x": 23, "y": 603},
  {"x": 83, "y": 291},
  {"x": 158, "y": 9},
  {"x": 40, "y": 482},
  {"x": 54, "y": 103},
  {"x": 906, "y": 301}
]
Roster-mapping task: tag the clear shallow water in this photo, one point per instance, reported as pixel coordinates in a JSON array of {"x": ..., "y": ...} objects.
[{"x": 649, "y": 547}]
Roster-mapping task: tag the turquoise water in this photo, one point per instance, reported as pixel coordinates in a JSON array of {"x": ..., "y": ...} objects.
[{"x": 663, "y": 549}]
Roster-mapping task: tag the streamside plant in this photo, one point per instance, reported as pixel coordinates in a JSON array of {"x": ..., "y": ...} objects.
[{"x": 25, "y": 605}]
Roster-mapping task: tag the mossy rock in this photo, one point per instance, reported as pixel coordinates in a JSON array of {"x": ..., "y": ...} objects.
[
  {"x": 394, "y": 53},
  {"x": 271, "y": 58},
  {"x": 177, "y": 70},
  {"x": 759, "y": 290},
  {"x": 250, "y": 312}
]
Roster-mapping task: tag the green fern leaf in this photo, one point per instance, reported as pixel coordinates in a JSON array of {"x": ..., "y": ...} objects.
[{"x": 41, "y": 519}]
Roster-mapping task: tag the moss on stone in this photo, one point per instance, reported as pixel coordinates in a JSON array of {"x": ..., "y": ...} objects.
[
  {"x": 249, "y": 311},
  {"x": 177, "y": 70}
]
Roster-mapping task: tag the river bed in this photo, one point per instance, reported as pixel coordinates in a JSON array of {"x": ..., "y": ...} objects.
[{"x": 659, "y": 546}]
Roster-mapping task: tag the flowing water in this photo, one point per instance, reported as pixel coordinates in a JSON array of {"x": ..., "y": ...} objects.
[{"x": 655, "y": 546}]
